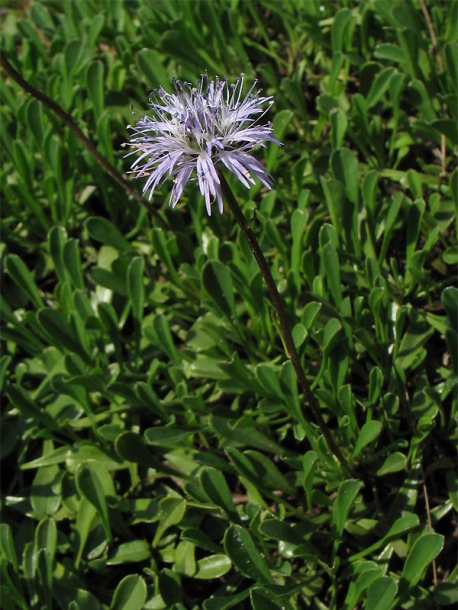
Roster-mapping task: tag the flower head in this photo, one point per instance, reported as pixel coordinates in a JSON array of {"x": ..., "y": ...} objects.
[{"x": 193, "y": 129}]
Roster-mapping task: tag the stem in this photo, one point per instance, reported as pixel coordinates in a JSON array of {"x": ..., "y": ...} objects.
[
  {"x": 284, "y": 324},
  {"x": 68, "y": 120}
]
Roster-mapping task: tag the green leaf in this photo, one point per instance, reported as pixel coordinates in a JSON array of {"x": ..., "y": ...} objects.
[
  {"x": 389, "y": 51},
  {"x": 446, "y": 593},
  {"x": 212, "y": 567},
  {"x": 449, "y": 300},
  {"x": 79, "y": 454},
  {"x": 424, "y": 550},
  {"x": 170, "y": 588},
  {"x": 151, "y": 65},
  {"x": 339, "y": 29},
  {"x": 215, "y": 486},
  {"x": 369, "y": 432},
  {"x": 133, "y": 551},
  {"x": 381, "y": 593},
  {"x": 268, "y": 473},
  {"x": 224, "y": 602},
  {"x": 299, "y": 220},
  {"x": 379, "y": 86},
  {"x": 395, "y": 462},
  {"x": 35, "y": 120},
  {"x": 135, "y": 287},
  {"x": 60, "y": 332},
  {"x": 130, "y": 594},
  {"x": 169, "y": 436},
  {"x": 159, "y": 333},
  {"x": 171, "y": 512},
  {"x": 339, "y": 124},
  {"x": 446, "y": 127},
  {"x": 332, "y": 272},
  {"x": 45, "y": 494},
  {"x": 264, "y": 599},
  {"x": 72, "y": 261},
  {"x": 84, "y": 519},
  {"x": 109, "y": 279},
  {"x": 344, "y": 166},
  {"x": 72, "y": 56},
  {"x": 22, "y": 400},
  {"x": 104, "y": 231},
  {"x": 90, "y": 486},
  {"x": 21, "y": 276},
  {"x": 95, "y": 87},
  {"x": 242, "y": 551},
  {"x": 45, "y": 576},
  {"x": 217, "y": 281},
  {"x": 245, "y": 435},
  {"x": 7, "y": 549},
  {"x": 46, "y": 536},
  {"x": 346, "y": 495}
]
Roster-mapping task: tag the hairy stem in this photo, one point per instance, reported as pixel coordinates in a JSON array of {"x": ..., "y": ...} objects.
[
  {"x": 284, "y": 324},
  {"x": 68, "y": 120}
]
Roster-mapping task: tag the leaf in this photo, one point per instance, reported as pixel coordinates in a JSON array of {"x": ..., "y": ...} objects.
[
  {"x": 170, "y": 588},
  {"x": 380, "y": 84},
  {"x": 424, "y": 550},
  {"x": 332, "y": 272},
  {"x": 45, "y": 494},
  {"x": 344, "y": 166},
  {"x": 446, "y": 594},
  {"x": 449, "y": 300},
  {"x": 133, "y": 551},
  {"x": 104, "y": 231},
  {"x": 395, "y": 462},
  {"x": 217, "y": 281},
  {"x": 109, "y": 279},
  {"x": 171, "y": 512},
  {"x": 135, "y": 287},
  {"x": 60, "y": 332},
  {"x": 212, "y": 567},
  {"x": 28, "y": 407},
  {"x": 339, "y": 29},
  {"x": 72, "y": 260},
  {"x": 224, "y": 602},
  {"x": 90, "y": 486},
  {"x": 268, "y": 473},
  {"x": 151, "y": 65},
  {"x": 159, "y": 333},
  {"x": 381, "y": 593},
  {"x": 242, "y": 551},
  {"x": 46, "y": 536},
  {"x": 369, "y": 432},
  {"x": 21, "y": 276},
  {"x": 132, "y": 448},
  {"x": 84, "y": 519},
  {"x": 95, "y": 87},
  {"x": 169, "y": 436},
  {"x": 346, "y": 495},
  {"x": 264, "y": 599},
  {"x": 45, "y": 575},
  {"x": 389, "y": 51},
  {"x": 79, "y": 454},
  {"x": 215, "y": 486},
  {"x": 7, "y": 549},
  {"x": 244, "y": 435}
]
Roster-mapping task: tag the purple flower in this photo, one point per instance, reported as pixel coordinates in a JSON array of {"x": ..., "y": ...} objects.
[{"x": 192, "y": 130}]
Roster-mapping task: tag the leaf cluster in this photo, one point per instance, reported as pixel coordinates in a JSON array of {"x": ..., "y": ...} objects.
[{"x": 155, "y": 450}]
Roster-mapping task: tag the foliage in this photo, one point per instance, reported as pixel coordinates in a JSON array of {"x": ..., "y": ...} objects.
[{"x": 155, "y": 451}]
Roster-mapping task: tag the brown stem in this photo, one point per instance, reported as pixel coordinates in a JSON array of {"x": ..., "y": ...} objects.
[
  {"x": 68, "y": 120},
  {"x": 284, "y": 324},
  {"x": 440, "y": 63}
]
